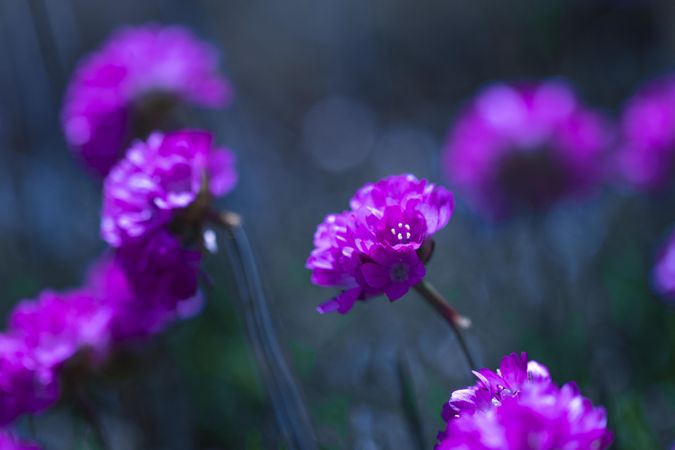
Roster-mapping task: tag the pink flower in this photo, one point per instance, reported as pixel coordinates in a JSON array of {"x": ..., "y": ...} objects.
[
  {"x": 58, "y": 325},
  {"x": 647, "y": 153},
  {"x": 525, "y": 146},
  {"x": 519, "y": 407},
  {"x": 373, "y": 248},
  {"x": 159, "y": 179},
  {"x": 27, "y": 386},
  {"x": 102, "y": 101}
]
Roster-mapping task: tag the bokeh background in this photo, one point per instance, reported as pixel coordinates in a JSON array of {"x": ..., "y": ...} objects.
[{"x": 331, "y": 94}]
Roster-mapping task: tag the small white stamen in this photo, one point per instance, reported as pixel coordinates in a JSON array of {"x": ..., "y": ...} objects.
[
  {"x": 400, "y": 236},
  {"x": 393, "y": 231},
  {"x": 407, "y": 235},
  {"x": 407, "y": 227}
]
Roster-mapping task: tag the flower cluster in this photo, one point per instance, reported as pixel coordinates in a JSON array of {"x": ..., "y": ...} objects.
[
  {"x": 518, "y": 407},
  {"x": 110, "y": 90},
  {"x": 525, "y": 147},
  {"x": 646, "y": 157},
  {"x": 377, "y": 247},
  {"x": 154, "y": 200}
]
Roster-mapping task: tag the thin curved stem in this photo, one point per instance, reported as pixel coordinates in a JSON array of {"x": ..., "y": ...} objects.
[
  {"x": 456, "y": 321},
  {"x": 285, "y": 395}
]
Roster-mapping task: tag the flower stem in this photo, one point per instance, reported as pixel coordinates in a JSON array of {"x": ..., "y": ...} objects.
[
  {"x": 286, "y": 399},
  {"x": 456, "y": 321},
  {"x": 88, "y": 413}
]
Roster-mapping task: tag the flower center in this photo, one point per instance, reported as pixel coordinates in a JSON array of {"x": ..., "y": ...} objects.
[
  {"x": 401, "y": 232},
  {"x": 399, "y": 272}
]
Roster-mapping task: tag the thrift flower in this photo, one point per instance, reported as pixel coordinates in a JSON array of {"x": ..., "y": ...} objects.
[
  {"x": 519, "y": 407},
  {"x": 525, "y": 147},
  {"x": 374, "y": 248},
  {"x": 148, "y": 286},
  {"x": 646, "y": 157},
  {"x": 138, "y": 72},
  {"x": 158, "y": 180},
  {"x": 57, "y": 325},
  {"x": 26, "y": 385}
]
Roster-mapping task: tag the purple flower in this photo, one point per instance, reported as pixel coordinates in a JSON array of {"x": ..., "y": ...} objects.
[
  {"x": 9, "y": 442},
  {"x": 373, "y": 248},
  {"x": 519, "y": 407},
  {"x": 57, "y": 325},
  {"x": 27, "y": 386},
  {"x": 647, "y": 153},
  {"x": 105, "y": 95},
  {"x": 663, "y": 273},
  {"x": 525, "y": 147},
  {"x": 158, "y": 180}
]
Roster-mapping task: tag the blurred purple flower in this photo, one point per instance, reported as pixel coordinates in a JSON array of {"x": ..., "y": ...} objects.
[
  {"x": 136, "y": 315},
  {"x": 372, "y": 249},
  {"x": 520, "y": 407},
  {"x": 159, "y": 179},
  {"x": 663, "y": 273},
  {"x": 27, "y": 385},
  {"x": 9, "y": 442},
  {"x": 525, "y": 147},
  {"x": 136, "y": 62},
  {"x": 646, "y": 156},
  {"x": 58, "y": 325}
]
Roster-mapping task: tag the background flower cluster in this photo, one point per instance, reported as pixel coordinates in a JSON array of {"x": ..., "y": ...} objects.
[{"x": 330, "y": 96}]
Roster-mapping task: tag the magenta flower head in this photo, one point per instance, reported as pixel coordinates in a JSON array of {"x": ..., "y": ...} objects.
[
  {"x": 113, "y": 89},
  {"x": 378, "y": 246},
  {"x": 525, "y": 147},
  {"x": 9, "y": 442},
  {"x": 154, "y": 202},
  {"x": 646, "y": 157},
  {"x": 158, "y": 180},
  {"x": 27, "y": 386},
  {"x": 518, "y": 407},
  {"x": 148, "y": 296},
  {"x": 663, "y": 273},
  {"x": 58, "y": 325}
]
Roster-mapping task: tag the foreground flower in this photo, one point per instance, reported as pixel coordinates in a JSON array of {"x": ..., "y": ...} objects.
[
  {"x": 27, "y": 386},
  {"x": 525, "y": 147},
  {"x": 375, "y": 247},
  {"x": 646, "y": 158},
  {"x": 158, "y": 180},
  {"x": 9, "y": 442},
  {"x": 663, "y": 273},
  {"x": 519, "y": 407},
  {"x": 139, "y": 72}
]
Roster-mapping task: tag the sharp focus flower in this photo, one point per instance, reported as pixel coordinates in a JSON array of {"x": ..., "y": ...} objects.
[
  {"x": 646, "y": 157},
  {"x": 27, "y": 385},
  {"x": 9, "y": 442},
  {"x": 158, "y": 180},
  {"x": 372, "y": 249},
  {"x": 58, "y": 325},
  {"x": 663, "y": 273},
  {"x": 106, "y": 95},
  {"x": 525, "y": 147},
  {"x": 519, "y": 407}
]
